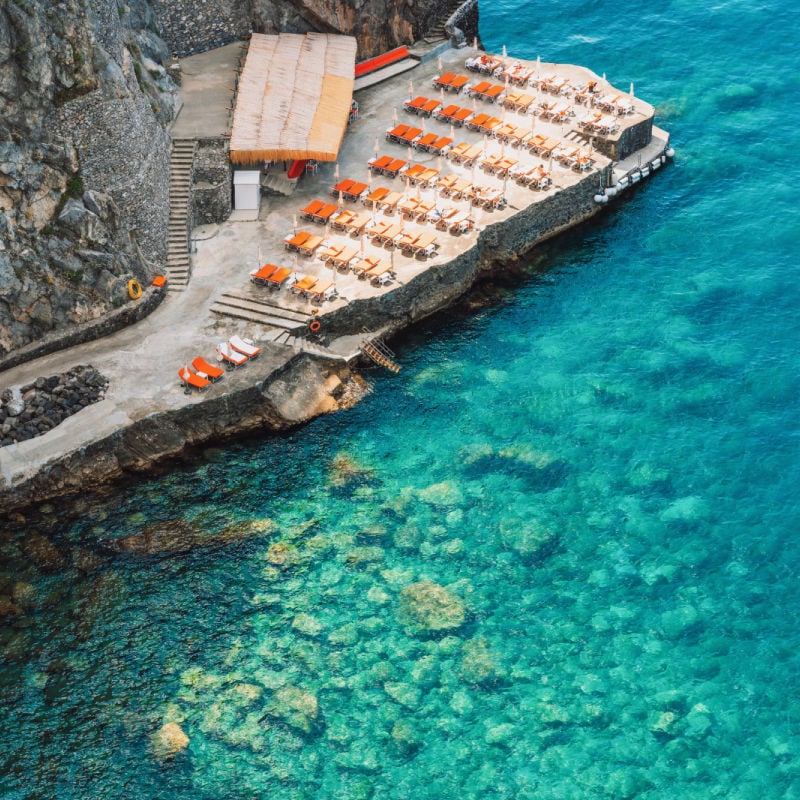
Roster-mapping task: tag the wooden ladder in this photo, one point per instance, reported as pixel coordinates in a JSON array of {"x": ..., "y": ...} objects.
[{"x": 380, "y": 354}]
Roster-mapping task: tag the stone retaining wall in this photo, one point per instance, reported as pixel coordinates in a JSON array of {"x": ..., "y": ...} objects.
[
  {"x": 627, "y": 142},
  {"x": 498, "y": 242},
  {"x": 194, "y": 26},
  {"x": 87, "y": 331},
  {"x": 124, "y": 152},
  {"x": 211, "y": 183}
]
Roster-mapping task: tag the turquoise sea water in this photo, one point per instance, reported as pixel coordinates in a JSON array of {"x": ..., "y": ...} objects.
[{"x": 591, "y": 479}]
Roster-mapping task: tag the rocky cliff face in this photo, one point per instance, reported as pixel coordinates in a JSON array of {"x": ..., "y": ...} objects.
[
  {"x": 190, "y": 26},
  {"x": 83, "y": 160}
]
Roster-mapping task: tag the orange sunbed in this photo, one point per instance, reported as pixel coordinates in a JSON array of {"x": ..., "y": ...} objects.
[
  {"x": 429, "y": 107},
  {"x": 325, "y": 213},
  {"x": 390, "y": 201},
  {"x": 480, "y": 88},
  {"x": 395, "y": 167},
  {"x": 414, "y": 171},
  {"x": 375, "y": 196},
  {"x": 341, "y": 221},
  {"x": 342, "y": 186},
  {"x": 355, "y": 190},
  {"x": 206, "y": 370},
  {"x": 459, "y": 82},
  {"x": 440, "y": 144},
  {"x": 304, "y": 284},
  {"x": 379, "y": 228},
  {"x": 425, "y": 141},
  {"x": 448, "y": 111},
  {"x": 410, "y": 135},
  {"x": 444, "y": 80},
  {"x": 279, "y": 277},
  {"x": 416, "y": 103},
  {"x": 379, "y": 163},
  {"x": 261, "y": 275},
  {"x": 293, "y": 242},
  {"x": 377, "y": 271},
  {"x": 312, "y": 208},
  {"x": 310, "y": 245},
  {"x": 191, "y": 380},
  {"x": 367, "y": 263},
  {"x": 357, "y": 223},
  {"x": 397, "y": 131},
  {"x": 460, "y": 115}
]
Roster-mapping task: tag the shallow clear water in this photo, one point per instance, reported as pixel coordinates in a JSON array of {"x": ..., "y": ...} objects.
[{"x": 600, "y": 467}]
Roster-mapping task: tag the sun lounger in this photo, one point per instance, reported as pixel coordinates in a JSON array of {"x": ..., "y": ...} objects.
[
  {"x": 485, "y": 63},
  {"x": 302, "y": 285},
  {"x": 444, "y": 217},
  {"x": 260, "y": 275},
  {"x": 475, "y": 123},
  {"x": 357, "y": 224},
  {"x": 389, "y": 236},
  {"x": 460, "y": 116},
  {"x": 407, "y": 208},
  {"x": 414, "y": 105},
  {"x": 392, "y": 169},
  {"x": 342, "y": 186},
  {"x": 379, "y": 228},
  {"x": 380, "y": 274},
  {"x": 424, "y": 207},
  {"x": 440, "y": 145},
  {"x": 231, "y": 356},
  {"x": 244, "y": 346},
  {"x": 446, "y": 182},
  {"x": 455, "y": 223},
  {"x": 460, "y": 189},
  {"x": 457, "y": 150},
  {"x": 343, "y": 259},
  {"x": 409, "y": 136},
  {"x": 478, "y": 88},
  {"x": 375, "y": 196},
  {"x": 191, "y": 380},
  {"x": 377, "y": 164},
  {"x": 322, "y": 291},
  {"x": 398, "y": 130},
  {"x": 389, "y": 203},
  {"x": 293, "y": 241},
  {"x": 340, "y": 223},
  {"x": 471, "y": 154},
  {"x": 355, "y": 191},
  {"x": 332, "y": 251},
  {"x": 451, "y": 82},
  {"x": 446, "y": 112},
  {"x": 312, "y": 208},
  {"x": 365, "y": 265},
  {"x": 489, "y": 163},
  {"x": 488, "y": 126},
  {"x": 424, "y": 141},
  {"x": 206, "y": 370},
  {"x": 278, "y": 278},
  {"x": 308, "y": 247}
]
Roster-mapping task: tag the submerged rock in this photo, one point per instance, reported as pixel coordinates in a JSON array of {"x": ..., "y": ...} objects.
[
  {"x": 427, "y": 606},
  {"x": 295, "y": 707},
  {"x": 168, "y": 741}
]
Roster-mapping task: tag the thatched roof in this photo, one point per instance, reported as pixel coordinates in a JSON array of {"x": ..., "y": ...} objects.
[{"x": 294, "y": 97}]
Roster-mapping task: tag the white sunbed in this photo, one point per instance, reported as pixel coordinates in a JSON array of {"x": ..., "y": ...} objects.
[{"x": 243, "y": 346}]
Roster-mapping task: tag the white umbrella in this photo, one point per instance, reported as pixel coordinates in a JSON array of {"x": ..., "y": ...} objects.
[
  {"x": 258, "y": 262},
  {"x": 485, "y": 142},
  {"x": 439, "y": 64},
  {"x": 439, "y": 163},
  {"x": 441, "y": 95},
  {"x": 394, "y": 116},
  {"x": 377, "y": 147},
  {"x": 369, "y": 178},
  {"x": 505, "y": 53},
  {"x": 409, "y": 152},
  {"x": 452, "y": 132},
  {"x": 294, "y": 222},
  {"x": 411, "y": 87},
  {"x": 631, "y": 90},
  {"x": 475, "y": 43},
  {"x": 341, "y": 199},
  {"x": 336, "y": 171}
]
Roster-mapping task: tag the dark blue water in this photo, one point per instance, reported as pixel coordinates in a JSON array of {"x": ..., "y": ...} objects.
[{"x": 556, "y": 557}]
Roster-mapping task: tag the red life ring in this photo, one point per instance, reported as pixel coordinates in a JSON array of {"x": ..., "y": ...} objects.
[{"x": 315, "y": 326}]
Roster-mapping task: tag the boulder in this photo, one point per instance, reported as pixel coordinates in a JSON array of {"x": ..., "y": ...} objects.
[
  {"x": 296, "y": 707},
  {"x": 427, "y": 606},
  {"x": 168, "y": 741}
]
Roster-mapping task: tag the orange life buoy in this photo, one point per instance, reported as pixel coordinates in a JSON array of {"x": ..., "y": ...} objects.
[
  {"x": 134, "y": 289},
  {"x": 314, "y": 326}
]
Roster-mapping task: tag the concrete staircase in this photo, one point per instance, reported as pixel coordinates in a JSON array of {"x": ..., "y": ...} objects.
[
  {"x": 437, "y": 33},
  {"x": 278, "y": 183},
  {"x": 180, "y": 178},
  {"x": 261, "y": 307}
]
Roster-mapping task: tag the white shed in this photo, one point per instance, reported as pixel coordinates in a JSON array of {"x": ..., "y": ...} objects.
[{"x": 246, "y": 189}]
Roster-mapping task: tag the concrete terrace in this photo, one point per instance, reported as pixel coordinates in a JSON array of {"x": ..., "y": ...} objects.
[{"x": 142, "y": 361}]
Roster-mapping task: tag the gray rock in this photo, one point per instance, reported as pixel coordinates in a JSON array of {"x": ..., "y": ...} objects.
[{"x": 9, "y": 283}]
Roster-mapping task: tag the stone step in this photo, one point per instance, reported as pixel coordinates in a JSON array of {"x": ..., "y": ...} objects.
[
  {"x": 265, "y": 303},
  {"x": 252, "y": 315}
]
